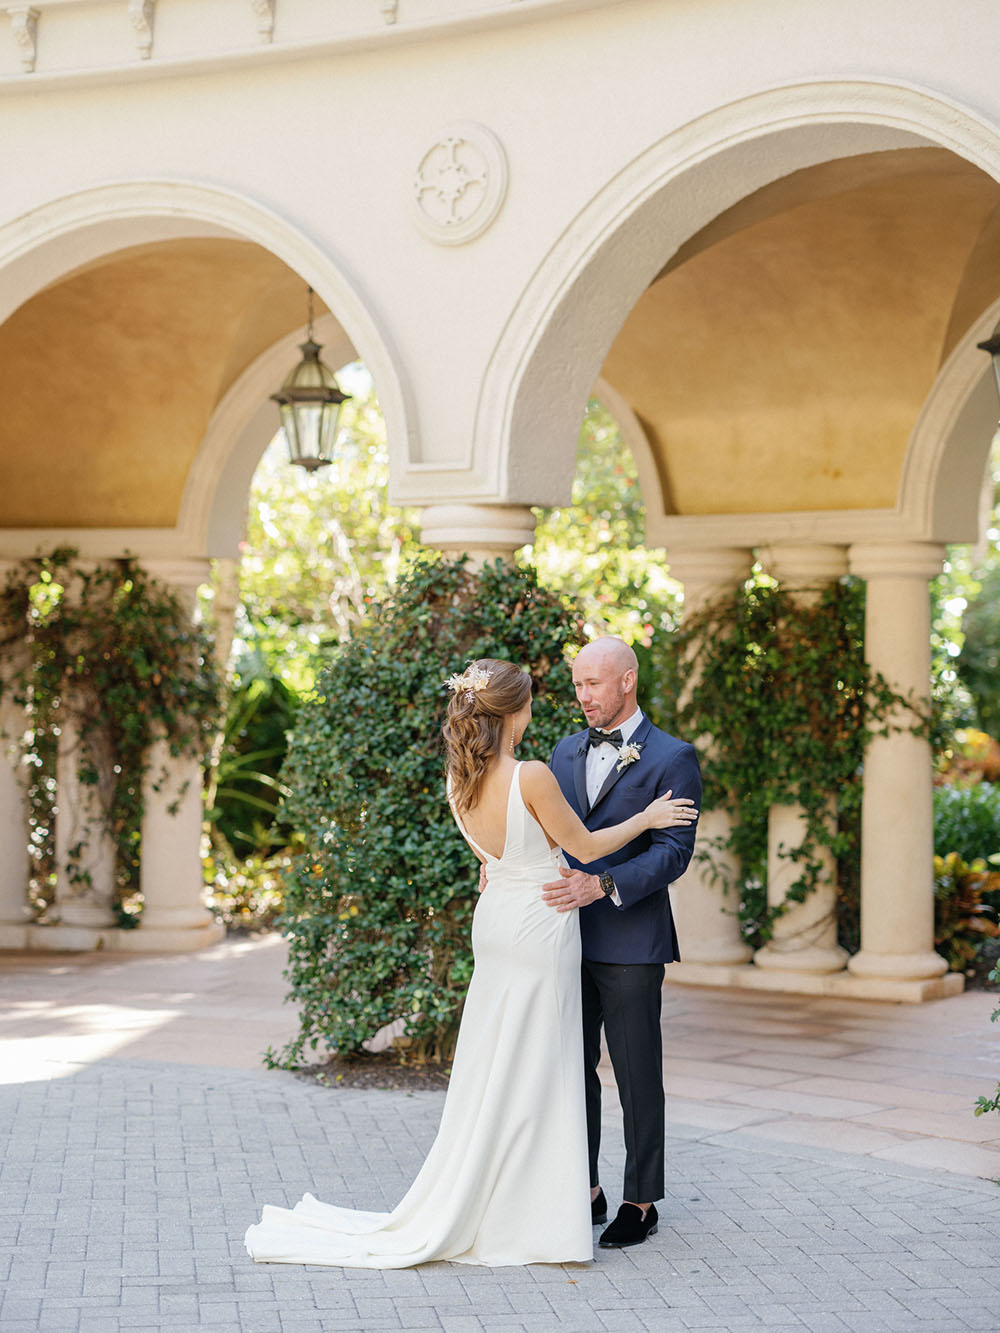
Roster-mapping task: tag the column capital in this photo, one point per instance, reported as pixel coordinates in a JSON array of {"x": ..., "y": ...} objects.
[
  {"x": 482, "y": 531},
  {"x": 896, "y": 560},
  {"x": 722, "y": 565},
  {"x": 183, "y": 574},
  {"x": 804, "y": 564}
]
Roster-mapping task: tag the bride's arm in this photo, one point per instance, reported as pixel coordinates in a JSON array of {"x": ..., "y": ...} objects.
[{"x": 565, "y": 827}]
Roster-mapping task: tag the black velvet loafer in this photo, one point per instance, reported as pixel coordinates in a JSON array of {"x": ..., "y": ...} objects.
[
  {"x": 598, "y": 1209},
  {"x": 629, "y": 1227}
]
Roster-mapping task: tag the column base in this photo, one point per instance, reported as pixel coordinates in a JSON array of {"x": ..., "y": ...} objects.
[
  {"x": 897, "y": 966},
  {"x": 839, "y": 984},
  {"x": 82, "y": 939},
  {"x": 706, "y": 953},
  {"x": 814, "y": 960},
  {"x": 176, "y": 918},
  {"x": 86, "y": 915},
  {"x": 155, "y": 939},
  {"x": 14, "y": 935}
]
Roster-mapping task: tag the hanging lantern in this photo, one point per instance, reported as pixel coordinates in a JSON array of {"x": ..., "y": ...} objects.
[{"x": 310, "y": 402}]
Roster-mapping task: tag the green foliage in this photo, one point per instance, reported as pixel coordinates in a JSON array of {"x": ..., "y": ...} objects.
[
  {"x": 777, "y": 692},
  {"x": 593, "y": 549},
  {"x": 243, "y": 790},
  {"x": 962, "y": 920},
  {"x": 967, "y": 821},
  {"x": 321, "y": 549},
  {"x": 112, "y": 653},
  {"x": 321, "y": 546},
  {"x": 378, "y": 911},
  {"x": 246, "y": 894},
  {"x": 978, "y": 663}
]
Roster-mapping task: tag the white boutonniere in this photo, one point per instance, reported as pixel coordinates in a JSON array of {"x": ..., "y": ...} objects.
[{"x": 628, "y": 754}]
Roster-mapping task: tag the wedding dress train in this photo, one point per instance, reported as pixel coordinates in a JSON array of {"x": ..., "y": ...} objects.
[{"x": 506, "y": 1180}]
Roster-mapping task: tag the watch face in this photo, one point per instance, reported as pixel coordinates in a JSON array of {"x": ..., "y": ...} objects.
[{"x": 607, "y": 884}]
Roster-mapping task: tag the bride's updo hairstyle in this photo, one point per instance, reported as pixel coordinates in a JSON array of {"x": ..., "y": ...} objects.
[{"x": 481, "y": 701}]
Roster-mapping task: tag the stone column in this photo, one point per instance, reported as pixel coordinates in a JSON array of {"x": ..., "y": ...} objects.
[
  {"x": 483, "y": 532},
  {"x": 897, "y": 822},
  {"x": 805, "y": 936},
  {"x": 174, "y": 915},
  {"x": 706, "y": 916},
  {"x": 225, "y": 602},
  {"x": 85, "y": 851}
]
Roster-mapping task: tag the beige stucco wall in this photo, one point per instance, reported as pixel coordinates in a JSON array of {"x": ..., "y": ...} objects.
[{"x": 779, "y": 251}]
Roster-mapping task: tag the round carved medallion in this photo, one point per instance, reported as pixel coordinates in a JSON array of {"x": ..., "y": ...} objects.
[{"x": 460, "y": 184}]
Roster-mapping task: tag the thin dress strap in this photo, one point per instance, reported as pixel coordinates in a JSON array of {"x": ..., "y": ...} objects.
[{"x": 515, "y": 783}]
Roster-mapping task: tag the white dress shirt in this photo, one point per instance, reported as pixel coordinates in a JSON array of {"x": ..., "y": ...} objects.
[{"x": 601, "y": 759}]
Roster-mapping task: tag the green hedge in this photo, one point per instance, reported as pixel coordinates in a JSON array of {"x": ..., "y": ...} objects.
[
  {"x": 967, "y": 821},
  {"x": 378, "y": 912}
]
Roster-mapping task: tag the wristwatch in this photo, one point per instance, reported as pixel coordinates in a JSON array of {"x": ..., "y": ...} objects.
[{"x": 607, "y": 883}]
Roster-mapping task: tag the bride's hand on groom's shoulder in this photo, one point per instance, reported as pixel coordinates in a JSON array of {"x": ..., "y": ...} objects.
[{"x": 668, "y": 811}]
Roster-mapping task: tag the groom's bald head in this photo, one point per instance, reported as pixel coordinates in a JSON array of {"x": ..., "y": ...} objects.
[
  {"x": 615, "y": 654},
  {"x": 605, "y": 675}
]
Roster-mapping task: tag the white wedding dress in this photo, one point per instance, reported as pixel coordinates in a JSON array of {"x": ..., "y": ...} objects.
[{"x": 506, "y": 1180}]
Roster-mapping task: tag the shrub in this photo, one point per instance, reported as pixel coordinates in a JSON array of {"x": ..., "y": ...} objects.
[
  {"x": 962, "y": 920},
  {"x": 971, "y": 756},
  {"x": 243, "y": 791},
  {"x": 378, "y": 910},
  {"x": 246, "y": 895},
  {"x": 967, "y": 821}
]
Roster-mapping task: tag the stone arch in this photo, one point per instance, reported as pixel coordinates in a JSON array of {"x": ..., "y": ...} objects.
[
  {"x": 69, "y": 235},
  {"x": 213, "y": 507},
  {"x": 633, "y": 433},
  {"x": 553, "y": 346},
  {"x": 941, "y": 485}
]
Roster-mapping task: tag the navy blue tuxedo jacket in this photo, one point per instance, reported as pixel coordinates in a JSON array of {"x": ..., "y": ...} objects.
[{"x": 642, "y": 929}]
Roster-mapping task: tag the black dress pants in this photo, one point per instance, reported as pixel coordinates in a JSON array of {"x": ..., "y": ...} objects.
[{"x": 625, "y": 1000}]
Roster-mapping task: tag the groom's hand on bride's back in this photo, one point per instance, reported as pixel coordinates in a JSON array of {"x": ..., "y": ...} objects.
[{"x": 575, "y": 889}]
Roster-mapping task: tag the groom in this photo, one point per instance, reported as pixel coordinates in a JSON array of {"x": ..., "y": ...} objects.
[{"x": 607, "y": 773}]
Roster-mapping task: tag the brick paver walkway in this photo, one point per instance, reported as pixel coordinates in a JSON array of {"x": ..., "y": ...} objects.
[{"x": 126, "y": 1185}]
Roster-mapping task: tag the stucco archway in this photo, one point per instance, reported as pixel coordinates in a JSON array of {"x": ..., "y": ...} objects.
[
  {"x": 555, "y": 343},
  {"x": 70, "y": 238}
]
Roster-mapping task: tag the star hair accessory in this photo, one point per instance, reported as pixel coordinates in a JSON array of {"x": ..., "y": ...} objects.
[{"x": 471, "y": 681}]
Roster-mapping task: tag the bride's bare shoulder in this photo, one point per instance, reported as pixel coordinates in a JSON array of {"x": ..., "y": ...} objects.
[{"x": 535, "y": 776}]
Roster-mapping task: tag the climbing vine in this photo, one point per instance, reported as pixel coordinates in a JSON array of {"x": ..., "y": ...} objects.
[
  {"x": 775, "y": 691},
  {"x": 108, "y": 651}
]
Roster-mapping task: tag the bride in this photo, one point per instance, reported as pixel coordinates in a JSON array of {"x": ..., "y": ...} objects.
[{"x": 506, "y": 1180}]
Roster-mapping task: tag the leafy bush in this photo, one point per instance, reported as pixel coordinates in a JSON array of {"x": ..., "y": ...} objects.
[
  {"x": 243, "y": 791},
  {"x": 378, "y": 910},
  {"x": 979, "y": 658},
  {"x": 962, "y": 920},
  {"x": 969, "y": 756},
  {"x": 967, "y": 821},
  {"x": 246, "y": 895}
]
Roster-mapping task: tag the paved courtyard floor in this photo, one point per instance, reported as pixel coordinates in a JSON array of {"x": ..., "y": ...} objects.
[{"x": 825, "y": 1169}]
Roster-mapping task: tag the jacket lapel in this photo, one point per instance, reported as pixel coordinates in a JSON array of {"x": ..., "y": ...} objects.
[
  {"x": 638, "y": 737},
  {"x": 580, "y": 777}
]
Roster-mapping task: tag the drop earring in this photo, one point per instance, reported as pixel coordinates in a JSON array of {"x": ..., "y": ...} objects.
[{"x": 512, "y": 740}]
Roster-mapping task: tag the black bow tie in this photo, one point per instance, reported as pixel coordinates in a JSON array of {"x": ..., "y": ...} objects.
[{"x": 597, "y": 737}]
